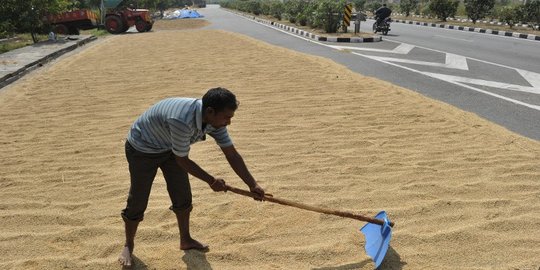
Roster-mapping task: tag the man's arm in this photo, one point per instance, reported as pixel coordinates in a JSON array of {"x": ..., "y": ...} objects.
[
  {"x": 237, "y": 164},
  {"x": 192, "y": 168}
]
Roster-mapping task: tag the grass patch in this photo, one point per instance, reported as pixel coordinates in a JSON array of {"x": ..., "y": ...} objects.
[{"x": 19, "y": 41}]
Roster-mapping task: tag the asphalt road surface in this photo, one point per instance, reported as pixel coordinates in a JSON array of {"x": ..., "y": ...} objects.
[{"x": 497, "y": 78}]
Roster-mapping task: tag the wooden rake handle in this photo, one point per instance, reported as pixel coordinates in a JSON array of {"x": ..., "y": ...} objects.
[{"x": 270, "y": 198}]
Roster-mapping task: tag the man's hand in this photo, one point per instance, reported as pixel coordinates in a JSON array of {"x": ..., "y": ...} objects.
[
  {"x": 259, "y": 191},
  {"x": 218, "y": 185}
]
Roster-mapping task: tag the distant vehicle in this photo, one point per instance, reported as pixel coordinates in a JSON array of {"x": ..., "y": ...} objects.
[
  {"x": 70, "y": 22},
  {"x": 118, "y": 19},
  {"x": 383, "y": 26}
]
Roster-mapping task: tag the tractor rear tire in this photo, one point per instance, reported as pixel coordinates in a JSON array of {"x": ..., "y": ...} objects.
[
  {"x": 74, "y": 31},
  {"x": 61, "y": 29},
  {"x": 114, "y": 24},
  {"x": 149, "y": 27},
  {"x": 141, "y": 26}
]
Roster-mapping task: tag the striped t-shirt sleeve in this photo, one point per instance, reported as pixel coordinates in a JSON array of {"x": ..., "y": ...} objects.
[
  {"x": 221, "y": 136},
  {"x": 180, "y": 137}
]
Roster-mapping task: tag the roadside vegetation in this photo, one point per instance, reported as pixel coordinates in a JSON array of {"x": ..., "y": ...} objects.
[
  {"x": 22, "y": 21},
  {"x": 327, "y": 14}
]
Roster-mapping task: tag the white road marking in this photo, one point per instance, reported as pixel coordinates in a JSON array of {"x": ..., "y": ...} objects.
[
  {"x": 515, "y": 101},
  {"x": 531, "y": 77},
  {"x": 460, "y": 39},
  {"x": 401, "y": 49},
  {"x": 452, "y": 62},
  {"x": 506, "y": 86},
  {"x": 456, "y": 61}
]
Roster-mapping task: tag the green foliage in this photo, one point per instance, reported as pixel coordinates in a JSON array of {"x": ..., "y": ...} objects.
[
  {"x": 293, "y": 9},
  {"x": 26, "y": 16},
  {"x": 478, "y": 9},
  {"x": 276, "y": 9},
  {"x": 443, "y": 9},
  {"x": 406, "y": 6},
  {"x": 372, "y": 6},
  {"x": 531, "y": 13},
  {"x": 358, "y": 4},
  {"x": 509, "y": 15},
  {"x": 306, "y": 16},
  {"x": 329, "y": 14}
]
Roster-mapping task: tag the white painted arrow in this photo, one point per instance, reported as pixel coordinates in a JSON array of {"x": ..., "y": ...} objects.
[
  {"x": 401, "y": 49},
  {"x": 452, "y": 61},
  {"x": 462, "y": 84},
  {"x": 532, "y": 77},
  {"x": 506, "y": 86}
]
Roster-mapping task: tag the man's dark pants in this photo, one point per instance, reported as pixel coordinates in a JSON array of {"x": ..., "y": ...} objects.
[{"x": 142, "y": 169}]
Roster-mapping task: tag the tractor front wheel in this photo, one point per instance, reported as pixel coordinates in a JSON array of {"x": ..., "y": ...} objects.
[
  {"x": 114, "y": 24},
  {"x": 141, "y": 26}
]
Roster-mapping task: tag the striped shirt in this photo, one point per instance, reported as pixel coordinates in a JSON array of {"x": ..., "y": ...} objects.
[{"x": 173, "y": 124}]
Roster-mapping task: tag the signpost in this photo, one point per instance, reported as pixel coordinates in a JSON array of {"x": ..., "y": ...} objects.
[
  {"x": 347, "y": 16},
  {"x": 359, "y": 17}
]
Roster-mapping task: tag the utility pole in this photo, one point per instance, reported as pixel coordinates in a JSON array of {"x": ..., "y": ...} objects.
[{"x": 102, "y": 13}]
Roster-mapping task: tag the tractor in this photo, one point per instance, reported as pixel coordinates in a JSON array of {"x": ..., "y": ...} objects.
[
  {"x": 119, "y": 18},
  {"x": 70, "y": 22}
]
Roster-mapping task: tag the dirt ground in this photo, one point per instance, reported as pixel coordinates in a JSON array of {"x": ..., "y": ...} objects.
[{"x": 464, "y": 193}]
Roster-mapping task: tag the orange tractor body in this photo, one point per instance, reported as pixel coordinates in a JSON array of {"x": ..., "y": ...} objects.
[
  {"x": 69, "y": 23},
  {"x": 120, "y": 20}
]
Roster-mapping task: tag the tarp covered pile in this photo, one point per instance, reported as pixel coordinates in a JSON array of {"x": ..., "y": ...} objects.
[{"x": 183, "y": 14}]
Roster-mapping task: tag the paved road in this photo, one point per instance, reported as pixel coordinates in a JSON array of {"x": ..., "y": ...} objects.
[{"x": 494, "y": 77}]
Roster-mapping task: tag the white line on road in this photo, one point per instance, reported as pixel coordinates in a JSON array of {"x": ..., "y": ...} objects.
[
  {"x": 506, "y": 86},
  {"x": 401, "y": 49},
  {"x": 528, "y": 73},
  {"x": 460, "y": 39},
  {"x": 532, "y": 106},
  {"x": 452, "y": 61}
]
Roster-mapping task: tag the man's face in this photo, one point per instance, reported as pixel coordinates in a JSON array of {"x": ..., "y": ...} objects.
[{"x": 220, "y": 119}]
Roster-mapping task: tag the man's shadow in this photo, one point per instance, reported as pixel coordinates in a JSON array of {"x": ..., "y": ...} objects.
[{"x": 196, "y": 260}]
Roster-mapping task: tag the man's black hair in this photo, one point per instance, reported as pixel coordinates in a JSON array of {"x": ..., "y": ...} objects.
[{"x": 219, "y": 99}]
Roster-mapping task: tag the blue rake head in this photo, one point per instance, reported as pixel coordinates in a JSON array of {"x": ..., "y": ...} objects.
[{"x": 377, "y": 238}]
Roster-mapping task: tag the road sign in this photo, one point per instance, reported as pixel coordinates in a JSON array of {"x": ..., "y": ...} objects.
[{"x": 347, "y": 15}]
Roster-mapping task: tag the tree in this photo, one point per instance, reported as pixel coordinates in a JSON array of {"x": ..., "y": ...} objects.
[
  {"x": 509, "y": 15},
  {"x": 407, "y": 6},
  {"x": 329, "y": 13},
  {"x": 358, "y": 4},
  {"x": 374, "y": 5},
  {"x": 478, "y": 9},
  {"x": 531, "y": 13},
  {"x": 443, "y": 9},
  {"x": 27, "y": 16}
]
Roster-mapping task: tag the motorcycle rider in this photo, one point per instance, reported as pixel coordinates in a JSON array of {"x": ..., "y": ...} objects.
[{"x": 382, "y": 13}]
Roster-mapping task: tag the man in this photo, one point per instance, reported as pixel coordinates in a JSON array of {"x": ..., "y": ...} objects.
[
  {"x": 382, "y": 13},
  {"x": 161, "y": 138}
]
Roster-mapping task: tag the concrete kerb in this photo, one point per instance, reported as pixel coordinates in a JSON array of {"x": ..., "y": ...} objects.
[
  {"x": 23, "y": 67},
  {"x": 303, "y": 33},
  {"x": 472, "y": 29}
]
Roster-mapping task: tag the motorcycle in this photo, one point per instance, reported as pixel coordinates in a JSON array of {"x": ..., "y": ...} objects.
[{"x": 383, "y": 26}]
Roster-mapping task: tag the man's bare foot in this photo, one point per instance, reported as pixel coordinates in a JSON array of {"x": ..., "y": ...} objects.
[
  {"x": 192, "y": 244},
  {"x": 125, "y": 258}
]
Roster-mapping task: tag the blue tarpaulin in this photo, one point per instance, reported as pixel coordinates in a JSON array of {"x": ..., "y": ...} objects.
[{"x": 184, "y": 13}]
